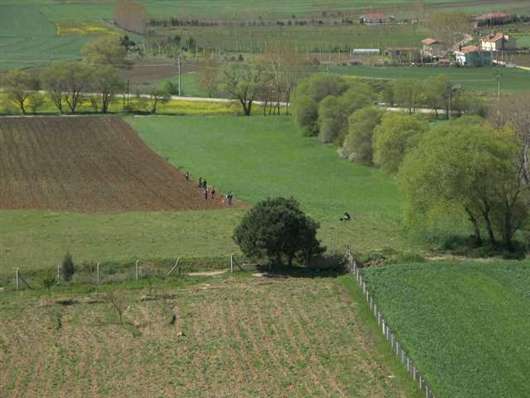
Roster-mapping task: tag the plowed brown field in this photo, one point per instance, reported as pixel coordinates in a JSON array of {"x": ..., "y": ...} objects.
[{"x": 88, "y": 164}]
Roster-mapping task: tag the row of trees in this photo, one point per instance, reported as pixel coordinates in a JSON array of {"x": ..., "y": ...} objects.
[
  {"x": 64, "y": 84},
  {"x": 323, "y": 104},
  {"x": 270, "y": 78},
  {"x": 96, "y": 79},
  {"x": 467, "y": 167}
]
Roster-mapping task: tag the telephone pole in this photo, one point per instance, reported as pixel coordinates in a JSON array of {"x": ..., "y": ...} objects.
[{"x": 179, "y": 67}]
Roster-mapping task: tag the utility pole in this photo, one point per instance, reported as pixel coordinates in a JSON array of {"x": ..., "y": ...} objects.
[
  {"x": 498, "y": 86},
  {"x": 179, "y": 67}
]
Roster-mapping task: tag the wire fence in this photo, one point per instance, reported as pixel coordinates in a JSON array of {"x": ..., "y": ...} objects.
[
  {"x": 98, "y": 273},
  {"x": 102, "y": 273},
  {"x": 388, "y": 333}
]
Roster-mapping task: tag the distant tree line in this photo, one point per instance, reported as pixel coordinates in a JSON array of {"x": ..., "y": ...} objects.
[
  {"x": 95, "y": 80},
  {"x": 293, "y": 21},
  {"x": 270, "y": 78}
]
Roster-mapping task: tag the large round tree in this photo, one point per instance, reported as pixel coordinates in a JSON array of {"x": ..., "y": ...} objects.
[{"x": 277, "y": 230}]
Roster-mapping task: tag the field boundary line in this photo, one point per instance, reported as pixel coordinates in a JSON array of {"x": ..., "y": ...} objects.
[{"x": 388, "y": 333}]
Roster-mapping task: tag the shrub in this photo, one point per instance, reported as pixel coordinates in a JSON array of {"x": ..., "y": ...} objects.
[
  {"x": 396, "y": 134},
  {"x": 305, "y": 114},
  {"x": 277, "y": 229},
  {"x": 358, "y": 143},
  {"x": 331, "y": 119},
  {"x": 308, "y": 95},
  {"x": 67, "y": 267}
]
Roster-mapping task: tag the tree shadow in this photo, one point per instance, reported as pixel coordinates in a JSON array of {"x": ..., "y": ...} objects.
[{"x": 326, "y": 266}]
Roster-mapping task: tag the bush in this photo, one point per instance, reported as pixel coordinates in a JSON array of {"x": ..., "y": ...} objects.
[
  {"x": 331, "y": 119},
  {"x": 277, "y": 229},
  {"x": 305, "y": 114},
  {"x": 67, "y": 267},
  {"x": 358, "y": 143},
  {"x": 308, "y": 95},
  {"x": 396, "y": 135}
]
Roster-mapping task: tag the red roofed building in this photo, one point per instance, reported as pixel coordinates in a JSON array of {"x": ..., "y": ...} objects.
[
  {"x": 497, "y": 42},
  {"x": 432, "y": 48},
  {"x": 472, "y": 56},
  {"x": 493, "y": 18}
]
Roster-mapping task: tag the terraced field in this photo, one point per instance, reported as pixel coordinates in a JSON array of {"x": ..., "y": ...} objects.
[{"x": 232, "y": 337}]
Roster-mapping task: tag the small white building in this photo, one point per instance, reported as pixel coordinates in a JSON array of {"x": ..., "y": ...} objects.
[
  {"x": 497, "y": 42},
  {"x": 473, "y": 56},
  {"x": 365, "y": 51}
]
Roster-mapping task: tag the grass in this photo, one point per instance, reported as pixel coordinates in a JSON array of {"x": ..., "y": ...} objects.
[
  {"x": 480, "y": 79},
  {"x": 28, "y": 38},
  {"x": 232, "y": 336},
  {"x": 255, "y": 158},
  {"x": 306, "y": 38},
  {"x": 243, "y": 9},
  {"x": 173, "y": 107},
  {"x": 259, "y": 157},
  {"x": 465, "y": 324},
  {"x": 39, "y": 239}
]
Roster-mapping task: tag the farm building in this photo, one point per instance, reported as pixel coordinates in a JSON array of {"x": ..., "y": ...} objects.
[
  {"x": 432, "y": 48},
  {"x": 403, "y": 55},
  {"x": 373, "y": 18},
  {"x": 498, "y": 42},
  {"x": 473, "y": 56},
  {"x": 365, "y": 51},
  {"x": 493, "y": 18}
]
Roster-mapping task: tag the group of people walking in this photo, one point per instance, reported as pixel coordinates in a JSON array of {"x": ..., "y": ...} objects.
[{"x": 209, "y": 191}]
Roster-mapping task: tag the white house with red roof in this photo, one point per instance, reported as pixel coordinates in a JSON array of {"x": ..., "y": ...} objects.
[{"x": 497, "y": 42}]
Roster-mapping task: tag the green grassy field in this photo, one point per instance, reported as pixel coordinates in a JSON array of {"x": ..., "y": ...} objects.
[
  {"x": 241, "y": 9},
  {"x": 480, "y": 79},
  {"x": 305, "y": 38},
  {"x": 28, "y": 30},
  {"x": 259, "y": 157},
  {"x": 97, "y": 9},
  {"x": 467, "y": 325},
  {"x": 255, "y": 158},
  {"x": 28, "y": 38}
]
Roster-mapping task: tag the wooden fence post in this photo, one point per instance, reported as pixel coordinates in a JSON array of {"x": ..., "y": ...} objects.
[
  {"x": 137, "y": 264},
  {"x": 174, "y": 267},
  {"x": 231, "y": 263},
  {"x": 98, "y": 275},
  {"x": 58, "y": 273},
  {"x": 17, "y": 281}
]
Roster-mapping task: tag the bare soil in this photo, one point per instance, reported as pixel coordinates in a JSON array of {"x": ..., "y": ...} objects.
[{"x": 88, "y": 164}]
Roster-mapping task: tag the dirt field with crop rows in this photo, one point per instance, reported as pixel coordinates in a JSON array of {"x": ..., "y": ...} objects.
[
  {"x": 88, "y": 164},
  {"x": 232, "y": 337}
]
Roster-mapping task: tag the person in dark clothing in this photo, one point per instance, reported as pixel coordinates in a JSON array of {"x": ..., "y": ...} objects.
[
  {"x": 346, "y": 217},
  {"x": 212, "y": 193},
  {"x": 205, "y": 194}
]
